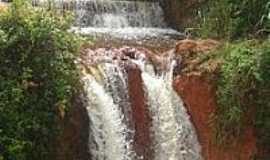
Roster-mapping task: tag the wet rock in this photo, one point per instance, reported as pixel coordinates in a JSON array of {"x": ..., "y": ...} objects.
[
  {"x": 140, "y": 114},
  {"x": 194, "y": 56},
  {"x": 90, "y": 57},
  {"x": 139, "y": 118}
]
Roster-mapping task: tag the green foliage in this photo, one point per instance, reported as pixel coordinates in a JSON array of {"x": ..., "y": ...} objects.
[
  {"x": 244, "y": 88},
  {"x": 37, "y": 77},
  {"x": 235, "y": 88},
  {"x": 262, "y": 119},
  {"x": 233, "y": 19}
]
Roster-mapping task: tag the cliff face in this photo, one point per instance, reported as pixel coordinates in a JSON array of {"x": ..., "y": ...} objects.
[
  {"x": 197, "y": 87},
  {"x": 198, "y": 93}
]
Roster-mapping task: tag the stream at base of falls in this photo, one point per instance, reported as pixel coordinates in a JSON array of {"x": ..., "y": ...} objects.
[{"x": 107, "y": 71}]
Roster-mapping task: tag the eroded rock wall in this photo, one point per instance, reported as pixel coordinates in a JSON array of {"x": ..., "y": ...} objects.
[{"x": 199, "y": 96}]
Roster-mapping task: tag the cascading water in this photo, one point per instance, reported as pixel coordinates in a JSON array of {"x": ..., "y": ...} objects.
[
  {"x": 174, "y": 135},
  {"x": 106, "y": 87},
  {"x": 109, "y": 132},
  {"x": 119, "y": 14},
  {"x": 124, "y": 19},
  {"x": 113, "y": 131}
]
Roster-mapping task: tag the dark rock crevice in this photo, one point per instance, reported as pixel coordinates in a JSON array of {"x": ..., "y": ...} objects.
[{"x": 72, "y": 143}]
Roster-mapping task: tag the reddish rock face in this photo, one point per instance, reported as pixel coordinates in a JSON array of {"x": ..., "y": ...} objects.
[
  {"x": 140, "y": 114},
  {"x": 199, "y": 97},
  {"x": 187, "y": 46}
]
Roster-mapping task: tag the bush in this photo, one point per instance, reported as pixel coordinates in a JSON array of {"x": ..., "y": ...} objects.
[
  {"x": 234, "y": 19},
  {"x": 244, "y": 89},
  {"x": 37, "y": 78},
  {"x": 262, "y": 119}
]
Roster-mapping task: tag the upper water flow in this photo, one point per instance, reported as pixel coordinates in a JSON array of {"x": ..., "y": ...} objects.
[
  {"x": 119, "y": 14},
  {"x": 113, "y": 13},
  {"x": 124, "y": 19}
]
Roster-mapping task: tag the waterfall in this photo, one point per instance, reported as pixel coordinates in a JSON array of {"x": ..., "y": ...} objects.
[
  {"x": 107, "y": 127},
  {"x": 108, "y": 103},
  {"x": 112, "y": 13},
  {"x": 119, "y": 14},
  {"x": 123, "y": 19},
  {"x": 174, "y": 135}
]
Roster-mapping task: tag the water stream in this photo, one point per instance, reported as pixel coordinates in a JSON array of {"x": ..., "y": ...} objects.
[
  {"x": 109, "y": 132},
  {"x": 121, "y": 19},
  {"x": 174, "y": 135},
  {"x": 105, "y": 78},
  {"x": 106, "y": 87}
]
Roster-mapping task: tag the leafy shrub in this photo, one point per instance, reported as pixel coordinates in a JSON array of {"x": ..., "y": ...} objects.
[
  {"x": 244, "y": 89},
  {"x": 235, "y": 87},
  {"x": 262, "y": 119},
  {"x": 37, "y": 77},
  {"x": 234, "y": 18}
]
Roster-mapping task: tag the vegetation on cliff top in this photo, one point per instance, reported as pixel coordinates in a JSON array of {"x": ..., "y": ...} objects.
[
  {"x": 38, "y": 77},
  {"x": 243, "y": 86},
  {"x": 233, "y": 19},
  {"x": 243, "y": 89}
]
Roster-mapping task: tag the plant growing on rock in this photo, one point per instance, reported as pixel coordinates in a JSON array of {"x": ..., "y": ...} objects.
[{"x": 244, "y": 91}]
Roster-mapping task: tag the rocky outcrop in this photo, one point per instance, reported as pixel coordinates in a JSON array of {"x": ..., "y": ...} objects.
[
  {"x": 140, "y": 114},
  {"x": 197, "y": 88},
  {"x": 199, "y": 96},
  {"x": 188, "y": 46}
]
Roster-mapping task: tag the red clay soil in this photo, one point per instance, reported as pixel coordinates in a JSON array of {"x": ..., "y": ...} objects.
[
  {"x": 199, "y": 97},
  {"x": 140, "y": 114}
]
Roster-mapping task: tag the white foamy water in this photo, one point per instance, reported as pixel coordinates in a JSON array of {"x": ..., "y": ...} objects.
[
  {"x": 117, "y": 18},
  {"x": 174, "y": 135},
  {"x": 108, "y": 104},
  {"x": 107, "y": 127},
  {"x": 128, "y": 33}
]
